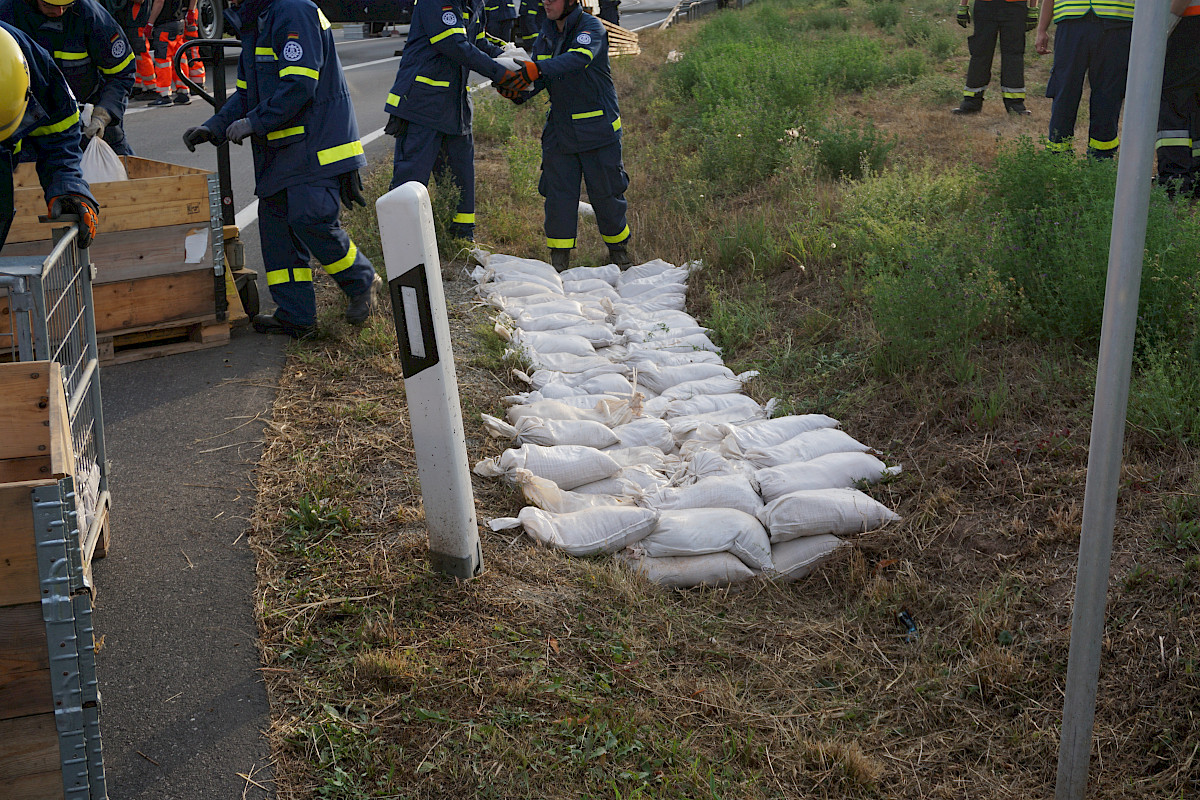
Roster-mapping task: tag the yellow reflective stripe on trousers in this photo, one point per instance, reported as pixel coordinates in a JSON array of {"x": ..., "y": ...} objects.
[
  {"x": 303, "y": 71},
  {"x": 299, "y": 275},
  {"x": 586, "y": 114},
  {"x": 57, "y": 127},
  {"x": 1096, "y": 144},
  {"x": 339, "y": 153},
  {"x": 1014, "y": 95},
  {"x": 344, "y": 261},
  {"x": 393, "y": 99},
  {"x": 264, "y": 51},
  {"x": 118, "y": 67},
  {"x": 432, "y": 82},
  {"x": 620, "y": 237},
  {"x": 1179, "y": 138},
  {"x": 445, "y": 33},
  {"x": 583, "y": 50},
  {"x": 66, "y": 55},
  {"x": 282, "y": 134},
  {"x": 560, "y": 244},
  {"x": 464, "y": 219}
]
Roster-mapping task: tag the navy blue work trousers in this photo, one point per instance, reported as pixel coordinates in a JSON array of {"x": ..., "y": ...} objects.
[
  {"x": 295, "y": 226},
  {"x": 1178, "y": 110},
  {"x": 421, "y": 152},
  {"x": 604, "y": 174},
  {"x": 1098, "y": 49}
]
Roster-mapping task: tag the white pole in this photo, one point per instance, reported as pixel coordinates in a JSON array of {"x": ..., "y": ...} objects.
[
  {"x": 1130, "y": 207},
  {"x": 414, "y": 275}
]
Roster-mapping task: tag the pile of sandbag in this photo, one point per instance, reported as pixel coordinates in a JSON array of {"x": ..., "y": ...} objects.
[{"x": 634, "y": 439}]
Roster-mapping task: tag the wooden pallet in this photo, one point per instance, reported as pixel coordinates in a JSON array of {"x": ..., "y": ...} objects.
[
  {"x": 182, "y": 336},
  {"x": 621, "y": 42}
]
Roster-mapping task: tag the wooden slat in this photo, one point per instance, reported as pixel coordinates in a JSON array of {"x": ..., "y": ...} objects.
[
  {"x": 22, "y": 639},
  {"x": 151, "y": 301},
  {"x": 202, "y": 338},
  {"x": 128, "y": 255},
  {"x": 30, "y": 764},
  {"x": 15, "y": 470},
  {"x": 18, "y": 550},
  {"x": 24, "y": 694},
  {"x": 24, "y": 403}
]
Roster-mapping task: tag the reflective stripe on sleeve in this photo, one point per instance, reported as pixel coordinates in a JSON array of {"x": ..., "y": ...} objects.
[
  {"x": 393, "y": 99},
  {"x": 118, "y": 67},
  {"x": 586, "y": 114},
  {"x": 323, "y": 19},
  {"x": 445, "y": 33},
  {"x": 66, "y": 55},
  {"x": 264, "y": 51},
  {"x": 432, "y": 82},
  {"x": 339, "y": 153},
  {"x": 583, "y": 50},
  {"x": 302, "y": 71},
  {"x": 57, "y": 127},
  {"x": 282, "y": 134}
]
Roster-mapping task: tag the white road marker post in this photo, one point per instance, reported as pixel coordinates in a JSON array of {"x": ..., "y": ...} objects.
[{"x": 414, "y": 276}]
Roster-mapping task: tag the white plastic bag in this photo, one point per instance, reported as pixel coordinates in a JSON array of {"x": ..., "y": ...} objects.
[{"x": 101, "y": 164}]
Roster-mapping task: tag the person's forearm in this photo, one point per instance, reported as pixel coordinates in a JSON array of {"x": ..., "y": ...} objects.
[
  {"x": 1179, "y": 6},
  {"x": 155, "y": 10}
]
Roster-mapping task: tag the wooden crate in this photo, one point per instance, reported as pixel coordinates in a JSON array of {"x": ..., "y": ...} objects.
[
  {"x": 144, "y": 281},
  {"x": 621, "y": 42}
]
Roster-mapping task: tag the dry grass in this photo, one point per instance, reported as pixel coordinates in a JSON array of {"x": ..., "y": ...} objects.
[{"x": 555, "y": 677}]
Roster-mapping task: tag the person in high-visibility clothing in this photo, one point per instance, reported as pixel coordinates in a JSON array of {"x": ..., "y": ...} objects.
[
  {"x": 1008, "y": 20},
  {"x": 530, "y": 16},
  {"x": 1179, "y": 109},
  {"x": 293, "y": 104},
  {"x": 498, "y": 19},
  {"x": 166, "y": 34},
  {"x": 191, "y": 30},
  {"x": 39, "y": 116},
  {"x": 429, "y": 107},
  {"x": 91, "y": 52},
  {"x": 582, "y": 135},
  {"x": 1091, "y": 38}
]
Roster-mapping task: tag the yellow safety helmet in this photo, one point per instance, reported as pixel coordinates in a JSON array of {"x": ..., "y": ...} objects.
[
  {"x": 14, "y": 85},
  {"x": 58, "y": 2}
]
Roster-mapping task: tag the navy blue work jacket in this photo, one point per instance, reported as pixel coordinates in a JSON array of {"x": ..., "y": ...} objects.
[
  {"x": 88, "y": 46},
  {"x": 48, "y": 134},
  {"x": 291, "y": 87},
  {"x": 573, "y": 63},
  {"x": 445, "y": 43}
]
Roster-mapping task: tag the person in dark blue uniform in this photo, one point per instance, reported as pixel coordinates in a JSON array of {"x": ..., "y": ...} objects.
[
  {"x": 39, "y": 117},
  {"x": 293, "y": 105},
  {"x": 498, "y": 19},
  {"x": 92, "y": 53},
  {"x": 429, "y": 107},
  {"x": 582, "y": 136},
  {"x": 530, "y": 16}
]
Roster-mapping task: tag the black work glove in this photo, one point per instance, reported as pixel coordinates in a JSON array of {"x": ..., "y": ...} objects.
[
  {"x": 196, "y": 135},
  {"x": 1031, "y": 19},
  {"x": 395, "y": 126},
  {"x": 964, "y": 16},
  {"x": 350, "y": 187},
  {"x": 82, "y": 207}
]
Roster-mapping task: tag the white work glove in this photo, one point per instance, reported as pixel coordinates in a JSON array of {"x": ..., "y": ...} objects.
[
  {"x": 239, "y": 130},
  {"x": 96, "y": 125}
]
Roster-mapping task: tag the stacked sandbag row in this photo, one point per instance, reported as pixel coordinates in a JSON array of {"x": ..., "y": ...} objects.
[{"x": 634, "y": 439}]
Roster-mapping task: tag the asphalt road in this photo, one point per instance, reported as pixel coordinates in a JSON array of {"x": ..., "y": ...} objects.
[{"x": 184, "y": 707}]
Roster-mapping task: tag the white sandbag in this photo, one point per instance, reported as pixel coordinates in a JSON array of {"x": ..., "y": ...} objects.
[
  {"x": 715, "y": 570},
  {"x": 547, "y": 496},
  {"x": 804, "y": 447},
  {"x": 628, "y": 482},
  {"x": 556, "y": 342},
  {"x": 700, "y": 464},
  {"x": 589, "y": 285},
  {"x": 799, "y": 558},
  {"x": 544, "y": 377},
  {"x": 573, "y": 364},
  {"x": 630, "y": 320},
  {"x": 652, "y": 302},
  {"x": 523, "y": 287},
  {"x": 668, "y": 281},
  {"x": 706, "y": 404},
  {"x": 549, "y": 432},
  {"x": 606, "y": 383},
  {"x": 643, "y": 271},
  {"x": 660, "y": 332},
  {"x": 584, "y": 401},
  {"x": 587, "y": 532},
  {"x": 677, "y": 344},
  {"x": 552, "y": 409},
  {"x": 609, "y": 273},
  {"x": 600, "y": 334},
  {"x": 548, "y": 322},
  {"x": 101, "y": 164},
  {"x": 693, "y": 425},
  {"x": 645, "y": 456},
  {"x": 830, "y": 471},
  {"x": 770, "y": 432},
  {"x": 646, "y": 431},
  {"x": 699, "y": 531},
  {"x": 717, "y": 491},
  {"x": 715, "y": 385},
  {"x": 671, "y": 359},
  {"x": 838, "y": 511},
  {"x": 502, "y": 268},
  {"x": 567, "y": 465},
  {"x": 541, "y": 304}
]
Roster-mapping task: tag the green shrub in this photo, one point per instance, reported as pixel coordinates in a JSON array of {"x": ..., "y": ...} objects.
[
  {"x": 845, "y": 150},
  {"x": 917, "y": 30},
  {"x": 942, "y": 43},
  {"x": 1164, "y": 396},
  {"x": 825, "y": 19},
  {"x": 493, "y": 121},
  {"x": 739, "y": 318},
  {"x": 749, "y": 243},
  {"x": 885, "y": 15},
  {"x": 743, "y": 142},
  {"x": 524, "y": 157}
]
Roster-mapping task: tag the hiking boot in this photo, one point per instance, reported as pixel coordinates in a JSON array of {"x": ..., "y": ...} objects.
[
  {"x": 560, "y": 258},
  {"x": 141, "y": 95},
  {"x": 269, "y": 323},
  {"x": 620, "y": 256},
  {"x": 362, "y": 305},
  {"x": 162, "y": 100},
  {"x": 182, "y": 98},
  {"x": 969, "y": 105},
  {"x": 1017, "y": 108}
]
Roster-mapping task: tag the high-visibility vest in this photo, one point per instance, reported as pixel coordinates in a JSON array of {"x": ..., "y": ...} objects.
[{"x": 1106, "y": 9}]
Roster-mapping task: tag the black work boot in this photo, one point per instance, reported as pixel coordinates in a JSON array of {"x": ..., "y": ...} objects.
[
  {"x": 269, "y": 323},
  {"x": 619, "y": 254},
  {"x": 971, "y": 104},
  {"x": 362, "y": 305},
  {"x": 560, "y": 258},
  {"x": 1017, "y": 107}
]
